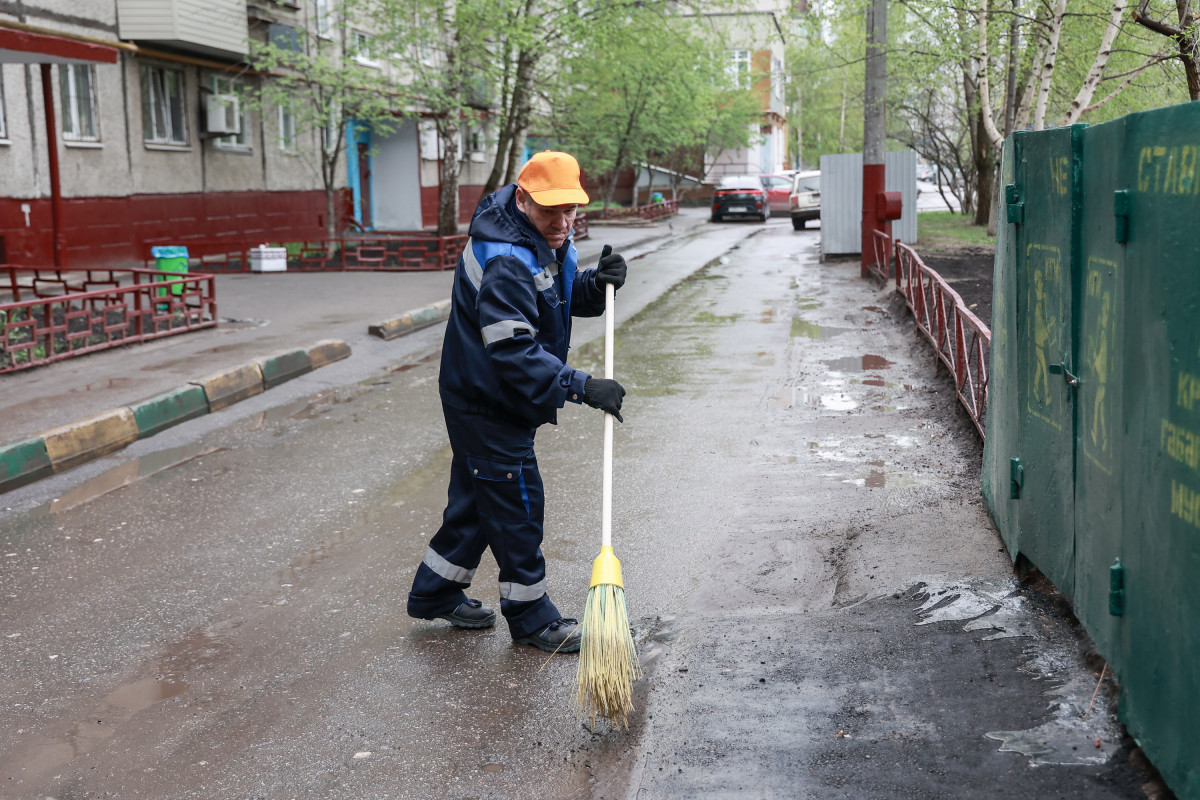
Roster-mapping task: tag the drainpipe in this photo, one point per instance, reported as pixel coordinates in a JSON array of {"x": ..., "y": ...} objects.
[{"x": 56, "y": 214}]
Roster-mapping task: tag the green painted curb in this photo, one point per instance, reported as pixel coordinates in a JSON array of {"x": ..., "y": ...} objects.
[
  {"x": 170, "y": 408},
  {"x": 283, "y": 367},
  {"x": 23, "y": 462}
]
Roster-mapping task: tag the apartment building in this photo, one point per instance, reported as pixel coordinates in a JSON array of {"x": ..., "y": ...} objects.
[
  {"x": 757, "y": 41},
  {"x": 123, "y": 124}
]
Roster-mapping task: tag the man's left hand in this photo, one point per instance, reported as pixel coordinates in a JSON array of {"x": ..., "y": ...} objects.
[{"x": 611, "y": 269}]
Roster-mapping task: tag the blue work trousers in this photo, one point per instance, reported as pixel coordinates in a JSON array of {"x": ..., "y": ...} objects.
[{"x": 495, "y": 500}]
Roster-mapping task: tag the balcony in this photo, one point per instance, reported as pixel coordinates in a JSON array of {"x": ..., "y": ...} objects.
[{"x": 213, "y": 28}]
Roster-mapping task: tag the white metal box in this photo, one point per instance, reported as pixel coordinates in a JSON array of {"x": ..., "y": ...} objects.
[{"x": 268, "y": 259}]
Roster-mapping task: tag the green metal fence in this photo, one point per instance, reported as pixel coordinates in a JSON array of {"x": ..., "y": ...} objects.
[{"x": 1092, "y": 454}]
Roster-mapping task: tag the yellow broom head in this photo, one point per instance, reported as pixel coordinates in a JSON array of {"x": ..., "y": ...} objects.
[
  {"x": 608, "y": 659},
  {"x": 606, "y": 569}
]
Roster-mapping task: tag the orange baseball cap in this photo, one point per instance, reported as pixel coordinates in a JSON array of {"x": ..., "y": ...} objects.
[{"x": 552, "y": 179}]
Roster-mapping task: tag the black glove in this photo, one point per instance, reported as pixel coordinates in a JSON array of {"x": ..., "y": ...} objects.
[
  {"x": 604, "y": 394},
  {"x": 612, "y": 268}
]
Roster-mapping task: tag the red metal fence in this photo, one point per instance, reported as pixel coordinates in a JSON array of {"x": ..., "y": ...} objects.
[
  {"x": 667, "y": 208},
  {"x": 960, "y": 338},
  {"x": 880, "y": 265},
  {"x": 384, "y": 252},
  {"x": 56, "y": 314}
]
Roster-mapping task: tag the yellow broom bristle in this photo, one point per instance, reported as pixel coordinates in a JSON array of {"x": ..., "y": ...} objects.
[{"x": 608, "y": 659}]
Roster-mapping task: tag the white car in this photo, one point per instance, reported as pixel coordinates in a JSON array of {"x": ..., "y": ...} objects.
[{"x": 804, "y": 202}]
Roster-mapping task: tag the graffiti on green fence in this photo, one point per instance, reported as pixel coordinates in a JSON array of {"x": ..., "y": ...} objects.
[
  {"x": 1168, "y": 170},
  {"x": 1100, "y": 315},
  {"x": 1060, "y": 173},
  {"x": 1185, "y": 503},
  {"x": 1045, "y": 299},
  {"x": 1181, "y": 445},
  {"x": 1189, "y": 391}
]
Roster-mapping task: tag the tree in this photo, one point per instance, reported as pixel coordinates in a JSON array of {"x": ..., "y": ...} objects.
[
  {"x": 539, "y": 36},
  {"x": 654, "y": 88},
  {"x": 324, "y": 88},
  {"x": 964, "y": 76},
  {"x": 444, "y": 49},
  {"x": 1184, "y": 34}
]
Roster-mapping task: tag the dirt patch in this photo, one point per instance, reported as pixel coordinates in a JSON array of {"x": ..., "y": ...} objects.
[{"x": 968, "y": 270}]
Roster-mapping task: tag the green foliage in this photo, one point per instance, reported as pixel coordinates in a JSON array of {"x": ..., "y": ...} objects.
[
  {"x": 653, "y": 87},
  {"x": 933, "y": 70},
  {"x": 323, "y": 88}
]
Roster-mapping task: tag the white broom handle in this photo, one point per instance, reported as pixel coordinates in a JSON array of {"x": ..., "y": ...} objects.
[{"x": 610, "y": 294}]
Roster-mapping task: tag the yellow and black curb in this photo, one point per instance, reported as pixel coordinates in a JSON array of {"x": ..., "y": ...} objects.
[
  {"x": 68, "y": 446},
  {"x": 412, "y": 321}
]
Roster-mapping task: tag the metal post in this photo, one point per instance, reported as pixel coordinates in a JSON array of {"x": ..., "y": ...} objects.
[
  {"x": 874, "y": 125},
  {"x": 56, "y": 215}
]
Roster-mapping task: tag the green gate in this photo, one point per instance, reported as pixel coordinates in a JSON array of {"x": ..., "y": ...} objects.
[{"x": 1092, "y": 455}]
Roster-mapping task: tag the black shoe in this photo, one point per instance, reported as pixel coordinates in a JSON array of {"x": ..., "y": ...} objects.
[
  {"x": 560, "y": 636},
  {"x": 471, "y": 614}
]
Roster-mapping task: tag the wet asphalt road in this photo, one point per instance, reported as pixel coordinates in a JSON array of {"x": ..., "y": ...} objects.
[{"x": 822, "y": 606}]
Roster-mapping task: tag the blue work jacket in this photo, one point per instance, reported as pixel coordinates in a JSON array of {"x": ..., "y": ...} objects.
[{"x": 509, "y": 330}]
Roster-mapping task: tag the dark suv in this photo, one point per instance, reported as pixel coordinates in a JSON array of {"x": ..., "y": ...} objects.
[{"x": 740, "y": 196}]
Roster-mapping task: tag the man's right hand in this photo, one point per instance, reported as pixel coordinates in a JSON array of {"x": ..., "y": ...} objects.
[{"x": 604, "y": 394}]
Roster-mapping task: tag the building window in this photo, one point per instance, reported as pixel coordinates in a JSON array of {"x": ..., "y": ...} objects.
[
  {"x": 739, "y": 68},
  {"x": 324, "y": 19},
  {"x": 361, "y": 47},
  {"x": 3, "y": 122},
  {"x": 287, "y": 129},
  {"x": 778, "y": 78},
  {"x": 164, "y": 111},
  {"x": 77, "y": 91},
  {"x": 228, "y": 87},
  {"x": 285, "y": 37}
]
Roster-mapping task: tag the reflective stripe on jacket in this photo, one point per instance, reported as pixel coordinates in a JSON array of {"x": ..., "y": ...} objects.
[{"x": 509, "y": 329}]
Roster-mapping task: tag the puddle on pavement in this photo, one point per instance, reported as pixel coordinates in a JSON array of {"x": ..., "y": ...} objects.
[
  {"x": 879, "y": 479},
  {"x": 802, "y": 328},
  {"x": 866, "y": 363},
  {"x": 707, "y": 317},
  {"x": 121, "y": 705},
  {"x": 307, "y": 408},
  {"x": 123, "y": 475}
]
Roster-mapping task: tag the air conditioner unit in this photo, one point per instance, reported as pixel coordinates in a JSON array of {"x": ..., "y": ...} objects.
[{"x": 224, "y": 114}]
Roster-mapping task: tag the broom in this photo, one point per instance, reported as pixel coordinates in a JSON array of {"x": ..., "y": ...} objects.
[{"x": 608, "y": 660}]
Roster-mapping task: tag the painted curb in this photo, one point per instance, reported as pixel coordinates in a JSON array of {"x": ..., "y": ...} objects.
[
  {"x": 412, "y": 321},
  {"x": 91, "y": 437},
  {"x": 282, "y": 367},
  {"x": 327, "y": 351},
  {"x": 23, "y": 462},
  {"x": 169, "y": 408},
  {"x": 68, "y": 446},
  {"x": 226, "y": 388}
]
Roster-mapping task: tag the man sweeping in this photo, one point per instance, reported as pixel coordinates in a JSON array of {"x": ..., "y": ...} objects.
[{"x": 503, "y": 374}]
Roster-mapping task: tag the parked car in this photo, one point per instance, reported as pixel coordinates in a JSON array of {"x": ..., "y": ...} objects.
[
  {"x": 740, "y": 196},
  {"x": 804, "y": 202},
  {"x": 779, "y": 187}
]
